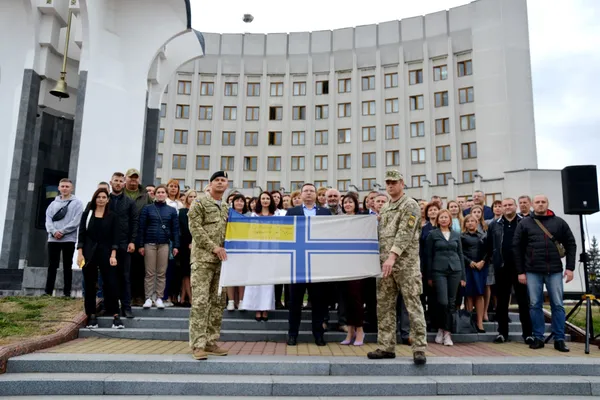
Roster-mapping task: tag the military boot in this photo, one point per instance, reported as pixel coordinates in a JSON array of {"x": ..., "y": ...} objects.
[
  {"x": 380, "y": 354},
  {"x": 419, "y": 358},
  {"x": 199, "y": 354},
  {"x": 215, "y": 350}
]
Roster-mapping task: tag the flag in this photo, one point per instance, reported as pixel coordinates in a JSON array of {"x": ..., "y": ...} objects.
[{"x": 274, "y": 250}]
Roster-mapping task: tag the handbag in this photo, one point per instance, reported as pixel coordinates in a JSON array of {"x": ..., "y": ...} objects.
[
  {"x": 462, "y": 322},
  {"x": 62, "y": 213},
  {"x": 559, "y": 246}
]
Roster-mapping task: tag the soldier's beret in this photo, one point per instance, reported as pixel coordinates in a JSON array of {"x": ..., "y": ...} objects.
[{"x": 219, "y": 174}]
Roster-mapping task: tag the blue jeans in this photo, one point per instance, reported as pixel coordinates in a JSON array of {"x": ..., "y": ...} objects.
[{"x": 554, "y": 286}]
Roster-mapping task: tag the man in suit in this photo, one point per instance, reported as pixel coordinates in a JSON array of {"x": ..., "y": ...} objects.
[
  {"x": 479, "y": 200},
  {"x": 316, "y": 291}
]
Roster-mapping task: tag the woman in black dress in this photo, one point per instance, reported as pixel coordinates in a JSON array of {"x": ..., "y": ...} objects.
[
  {"x": 476, "y": 268},
  {"x": 185, "y": 239}
]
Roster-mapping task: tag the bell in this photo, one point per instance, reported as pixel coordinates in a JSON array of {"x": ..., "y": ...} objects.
[{"x": 60, "y": 90}]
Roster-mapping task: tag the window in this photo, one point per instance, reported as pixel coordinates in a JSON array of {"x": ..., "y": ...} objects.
[
  {"x": 205, "y": 113},
  {"x": 441, "y": 99},
  {"x": 343, "y": 185},
  {"x": 467, "y": 122},
  {"x": 274, "y": 138},
  {"x": 230, "y": 113},
  {"x": 228, "y": 138},
  {"x": 392, "y": 158},
  {"x": 297, "y": 163},
  {"x": 368, "y": 183},
  {"x": 465, "y": 68},
  {"x": 161, "y": 135},
  {"x": 180, "y": 137},
  {"x": 163, "y": 110},
  {"x": 273, "y": 185},
  {"x": 276, "y": 89},
  {"x": 321, "y": 112},
  {"x": 440, "y": 73},
  {"x": 344, "y": 85},
  {"x": 417, "y": 129},
  {"x": 391, "y": 80},
  {"x": 296, "y": 185},
  {"x": 275, "y": 113},
  {"x": 184, "y": 87},
  {"x": 490, "y": 198},
  {"x": 249, "y": 184},
  {"x": 368, "y": 134},
  {"x": 391, "y": 106},
  {"x": 392, "y": 132},
  {"x": 182, "y": 111},
  {"x": 321, "y": 137},
  {"x": 250, "y": 163},
  {"x": 415, "y": 76},
  {"x": 469, "y": 175},
  {"x": 442, "y": 178},
  {"x": 200, "y": 184},
  {"x": 417, "y": 180},
  {"x": 251, "y": 139},
  {"x": 273, "y": 163},
  {"x": 442, "y": 153},
  {"x": 227, "y": 163},
  {"x": 417, "y": 156},
  {"x": 442, "y": 126},
  {"x": 368, "y": 82},
  {"x": 298, "y": 138},
  {"x": 469, "y": 150},
  {"x": 368, "y": 108},
  {"x": 344, "y": 135},
  {"x": 368, "y": 160},
  {"x": 207, "y": 88},
  {"x": 231, "y": 89},
  {"x": 253, "y": 90},
  {"x": 416, "y": 102},
  {"x": 159, "y": 160},
  {"x": 299, "y": 88},
  {"x": 344, "y": 161},
  {"x": 203, "y": 138},
  {"x": 299, "y": 113},
  {"x": 465, "y": 95},
  {"x": 320, "y": 163},
  {"x": 252, "y": 113},
  {"x": 320, "y": 184},
  {"x": 179, "y": 161},
  {"x": 344, "y": 110},
  {"x": 158, "y": 181},
  {"x": 322, "y": 87}
]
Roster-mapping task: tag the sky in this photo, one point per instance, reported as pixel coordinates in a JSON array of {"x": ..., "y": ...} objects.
[{"x": 564, "y": 41}]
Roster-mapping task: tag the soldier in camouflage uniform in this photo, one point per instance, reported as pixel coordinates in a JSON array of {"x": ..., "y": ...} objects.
[
  {"x": 208, "y": 221},
  {"x": 399, "y": 231}
]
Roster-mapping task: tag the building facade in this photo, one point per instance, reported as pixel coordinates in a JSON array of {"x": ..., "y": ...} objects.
[{"x": 446, "y": 98}]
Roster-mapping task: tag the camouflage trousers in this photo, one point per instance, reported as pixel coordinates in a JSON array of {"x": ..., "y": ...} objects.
[
  {"x": 408, "y": 283},
  {"x": 207, "y": 305}
]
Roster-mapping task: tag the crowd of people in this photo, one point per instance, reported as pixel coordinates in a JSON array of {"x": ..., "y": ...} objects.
[{"x": 156, "y": 246}]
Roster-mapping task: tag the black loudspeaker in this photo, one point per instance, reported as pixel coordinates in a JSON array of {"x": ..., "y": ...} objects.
[{"x": 580, "y": 189}]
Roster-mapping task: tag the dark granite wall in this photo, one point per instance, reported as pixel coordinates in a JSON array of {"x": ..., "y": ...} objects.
[
  {"x": 150, "y": 146},
  {"x": 77, "y": 127}
]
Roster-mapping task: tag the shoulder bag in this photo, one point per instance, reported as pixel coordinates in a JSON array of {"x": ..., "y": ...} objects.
[
  {"x": 561, "y": 249},
  {"x": 62, "y": 213}
]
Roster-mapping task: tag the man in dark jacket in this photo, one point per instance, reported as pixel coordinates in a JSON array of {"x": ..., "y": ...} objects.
[
  {"x": 479, "y": 200},
  {"x": 128, "y": 216},
  {"x": 499, "y": 251},
  {"x": 538, "y": 262}
]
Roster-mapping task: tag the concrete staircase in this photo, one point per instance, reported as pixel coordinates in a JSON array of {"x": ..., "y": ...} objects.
[
  {"x": 172, "y": 324},
  {"x": 163, "y": 375}
]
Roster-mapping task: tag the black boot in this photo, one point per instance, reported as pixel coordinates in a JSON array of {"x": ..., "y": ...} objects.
[{"x": 561, "y": 346}]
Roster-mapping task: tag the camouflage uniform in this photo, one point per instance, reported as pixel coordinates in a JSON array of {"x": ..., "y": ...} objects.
[
  {"x": 207, "y": 223},
  {"x": 399, "y": 230}
]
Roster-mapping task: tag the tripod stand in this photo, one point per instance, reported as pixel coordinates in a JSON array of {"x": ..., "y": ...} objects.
[{"x": 588, "y": 298}]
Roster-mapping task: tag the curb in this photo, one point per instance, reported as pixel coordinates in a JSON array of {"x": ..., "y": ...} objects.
[{"x": 65, "y": 334}]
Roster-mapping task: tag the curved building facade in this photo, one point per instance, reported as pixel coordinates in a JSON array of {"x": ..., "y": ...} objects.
[{"x": 446, "y": 98}]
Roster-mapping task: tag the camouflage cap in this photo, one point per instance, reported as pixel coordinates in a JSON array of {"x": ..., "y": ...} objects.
[
  {"x": 132, "y": 171},
  {"x": 393, "y": 175}
]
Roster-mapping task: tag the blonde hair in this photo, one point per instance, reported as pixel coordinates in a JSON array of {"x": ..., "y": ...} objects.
[
  {"x": 460, "y": 212},
  {"x": 481, "y": 221},
  {"x": 443, "y": 211},
  {"x": 465, "y": 220},
  {"x": 187, "y": 195},
  {"x": 293, "y": 195},
  {"x": 321, "y": 191}
]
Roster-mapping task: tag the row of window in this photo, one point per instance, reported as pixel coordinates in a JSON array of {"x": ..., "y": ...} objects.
[
  {"x": 415, "y": 77},
  {"x": 369, "y": 134},
  {"x": 182, "y": 111},
  {"x": 344, "y": 161}
]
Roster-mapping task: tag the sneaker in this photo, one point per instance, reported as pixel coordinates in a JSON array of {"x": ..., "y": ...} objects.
[
  {"x": 215, "y": 350},
  {"x": 199, "y": 354},
  {"x": 117, "y": 323},
  {"x": 230, "y": 305},
  {"x": 439, "y": 338},
  {"x": 92, "y": 322},
  {"x": 500, "y": 339},
  {"x": 167, "y": 303},
  {"x": 448, "y": 339},
  {"x": 148, "y": 303},
  {"x": 159, "y": 303},
  {"x": 241, "y": 305}
]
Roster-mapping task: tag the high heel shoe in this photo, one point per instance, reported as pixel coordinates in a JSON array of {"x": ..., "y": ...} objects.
[
  {"x": 359, "y": 342},
  {"x": 347, "y": 342}
]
